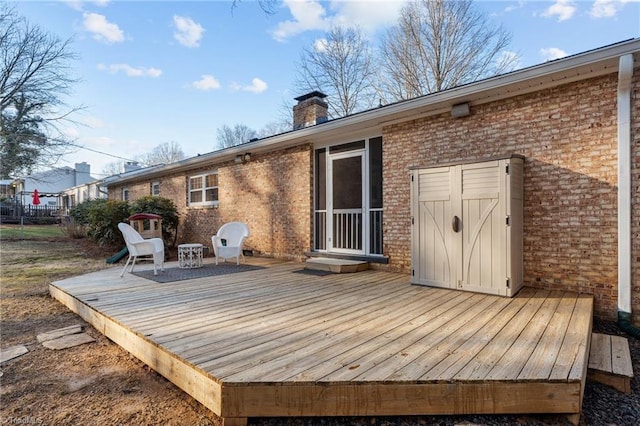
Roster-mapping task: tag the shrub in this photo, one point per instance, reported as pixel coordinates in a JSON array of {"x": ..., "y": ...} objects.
[
  {"x": 101, "y": 218},
  {"x": 74, "y": 229},
  {"x": 80, "y": 212}
]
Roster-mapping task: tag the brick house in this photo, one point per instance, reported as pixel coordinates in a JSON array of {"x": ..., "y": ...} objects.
[{"x": 343, "y": 187}]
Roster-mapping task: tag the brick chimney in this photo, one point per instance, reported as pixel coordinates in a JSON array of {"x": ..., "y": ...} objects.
[
  {"x": 130, "y": 166},
  {"x": 311, "y": 109}
]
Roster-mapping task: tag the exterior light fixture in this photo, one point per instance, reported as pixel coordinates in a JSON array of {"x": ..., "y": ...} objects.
[
  {"x": 460, "y": 110},
  {"x": 242, "y": 158}
]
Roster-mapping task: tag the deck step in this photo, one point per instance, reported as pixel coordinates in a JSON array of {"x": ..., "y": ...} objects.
[
  {"x": 610, "y": 361},
  {"x": 337, "y": 266}
]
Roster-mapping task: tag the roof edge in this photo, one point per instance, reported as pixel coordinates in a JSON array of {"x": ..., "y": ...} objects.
[{"x": 581, "y": 65}]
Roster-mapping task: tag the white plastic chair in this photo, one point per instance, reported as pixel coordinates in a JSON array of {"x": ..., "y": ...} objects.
[
  {"x": 229, "y": 240},
  {"x": 138, "y": 246}
]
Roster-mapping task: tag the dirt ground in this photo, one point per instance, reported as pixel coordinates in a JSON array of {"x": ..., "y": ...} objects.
[
  {"x": 101, "y": 384},
  {"x": 93, "y": 384}
]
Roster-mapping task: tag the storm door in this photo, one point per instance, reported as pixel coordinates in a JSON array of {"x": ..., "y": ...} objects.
[
  {"x": 345, "y": 202},
  {"x": 348, "y": 207}
]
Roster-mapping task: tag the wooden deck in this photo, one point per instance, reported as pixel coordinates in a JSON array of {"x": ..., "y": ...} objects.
[{"x": 275, "y": 342}]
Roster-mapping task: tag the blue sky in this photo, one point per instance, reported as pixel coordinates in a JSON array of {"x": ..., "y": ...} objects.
[{"x": 160, "y": 71}]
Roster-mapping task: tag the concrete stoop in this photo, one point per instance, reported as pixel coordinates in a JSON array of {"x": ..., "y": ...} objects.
[{"x": 336, "y": 266}]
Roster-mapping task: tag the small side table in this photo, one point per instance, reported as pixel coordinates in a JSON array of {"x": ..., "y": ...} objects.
[{"x": 189, "y": 256}]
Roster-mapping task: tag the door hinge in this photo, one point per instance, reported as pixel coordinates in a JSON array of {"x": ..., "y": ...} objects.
[
  {"x": 413, "y": 272},
  {"x": 411, "y": 178},
  {"x": 459, "y": 283},
  {"x": 507, "y": 220},
  {"x": 508, "y": 283},
  {"x": 412, "y": 221},
  {"x": 506, "y": 169}
]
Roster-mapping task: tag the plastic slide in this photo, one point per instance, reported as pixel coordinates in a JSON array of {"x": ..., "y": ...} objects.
[{"x": 119, "y": 255}]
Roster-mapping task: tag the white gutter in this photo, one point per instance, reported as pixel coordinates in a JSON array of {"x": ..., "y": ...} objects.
[{"x": 625, "y": 75}]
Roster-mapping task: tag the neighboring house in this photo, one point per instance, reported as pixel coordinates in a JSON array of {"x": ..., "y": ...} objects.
[
  {"x": 51, "y": 184},
  {"x": 75, "y": 195},
  {"x": 344, "y": 186},
  {"x": 71, "y": 197},
  {"x": 6, "y": 189}
]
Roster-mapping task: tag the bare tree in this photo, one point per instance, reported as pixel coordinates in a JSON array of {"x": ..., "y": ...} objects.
[
  {"x": 439, "y": 44},
  {"x": 166, "y": 153},
  {"x": 114, "y": 168},
  {"x": 274, "y": 128},
  {"x": 35, "y": 75},
  {"x": 232, "y": 136},
  {"x": 340, "y": 66},
  {"x": 268, "y": 6}
]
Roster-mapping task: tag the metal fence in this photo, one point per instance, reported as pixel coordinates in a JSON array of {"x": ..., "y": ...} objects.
[{"x": 18, "y": 212}]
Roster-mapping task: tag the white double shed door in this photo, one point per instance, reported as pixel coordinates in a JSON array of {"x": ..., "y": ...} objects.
[{"x": 467, "y": 226}]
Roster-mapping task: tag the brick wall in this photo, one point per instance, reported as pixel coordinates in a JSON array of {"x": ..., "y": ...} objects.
[
  {"x": 568, "y": 135},
  {"x": 271, "y": 193}
]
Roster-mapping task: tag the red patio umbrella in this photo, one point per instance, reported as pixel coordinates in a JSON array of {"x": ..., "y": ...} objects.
[{"x": 36, "y": 198}]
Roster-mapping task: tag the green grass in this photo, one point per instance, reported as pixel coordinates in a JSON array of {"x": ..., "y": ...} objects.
[
  {"x": 30, "y": 232},
  {"x": 28, "y": 266}
]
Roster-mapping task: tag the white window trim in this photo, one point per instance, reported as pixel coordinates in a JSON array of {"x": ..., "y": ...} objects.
[
  {"x": 203, "y": 189},
  {"x": 125, "y": 193},
  {"x": 153, "y": 185}
]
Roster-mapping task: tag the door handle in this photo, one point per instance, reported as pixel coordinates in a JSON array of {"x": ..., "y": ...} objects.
[{"x": 455, "y": 224}]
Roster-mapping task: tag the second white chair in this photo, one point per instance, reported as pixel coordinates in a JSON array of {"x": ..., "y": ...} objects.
[{"x": 229, "y": 240}]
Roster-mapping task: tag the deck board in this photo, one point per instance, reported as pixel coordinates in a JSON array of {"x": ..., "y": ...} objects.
[
  {"x": 293, "y": 335},
  {"x": 512, "y": 362},
  {"x": 542, "y": 359},
  {"x": 273, "y": 342}
]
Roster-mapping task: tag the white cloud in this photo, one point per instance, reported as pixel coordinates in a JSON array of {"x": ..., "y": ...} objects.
[
  {"x": 188, "y": 33},
  {"x": 307, "y": 15},
  {"x": 551, "y": 53},
  {"x": 607, "y": 8},
  {"x": 206, "y": 82},
  {"x": 369, "y": 15},
  {"x": 92, "y": 122},
  {"x": 79, "y": 4},
  {"x": 257, "y": 86},
  {"x": 512, "y": 7},
  {"x": 563, "y": 9},
  {"x": 70, "y": 132},
  {"x": 310, "y": 15},
  {"x": 102, "y": 29},
  {"x": 320, "y": 45},
  {"x": 131, "y": 71}
]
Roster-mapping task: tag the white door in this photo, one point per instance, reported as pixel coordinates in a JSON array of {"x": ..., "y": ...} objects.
[
  {"x": 484, "y": 227},
  {"x": 345, "y": 201},
  {"x": 435, "y": 251}
]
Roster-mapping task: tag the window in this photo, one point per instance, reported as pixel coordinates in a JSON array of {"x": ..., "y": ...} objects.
[
  {"x": 125, "y": 194},
  {"x": 155, "y": 188},
  {"x": 203, "y": 189}
]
